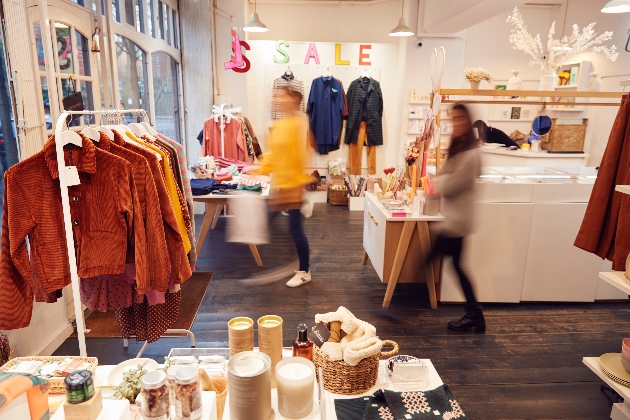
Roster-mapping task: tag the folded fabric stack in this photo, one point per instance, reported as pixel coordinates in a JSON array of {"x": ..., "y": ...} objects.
[
  {"x": 206, "y": 186},
  {"x": 437, "y": 404},
  {"x": 359, "y": 343}
]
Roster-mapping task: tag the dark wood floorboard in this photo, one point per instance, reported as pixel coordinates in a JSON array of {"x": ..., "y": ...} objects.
[{"x": 527, "y": 366}]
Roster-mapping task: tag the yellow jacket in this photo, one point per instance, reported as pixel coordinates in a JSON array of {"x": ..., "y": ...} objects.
[{"x": 287, "y": 155}]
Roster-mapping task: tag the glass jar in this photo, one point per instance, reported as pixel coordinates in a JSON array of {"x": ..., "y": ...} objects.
[
  {"x": 170, "y": 382},
  {"x": 187, "y": 394},
  {"x": 155, "y": 397}
]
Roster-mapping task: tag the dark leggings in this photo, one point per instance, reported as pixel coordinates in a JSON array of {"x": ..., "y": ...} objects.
[
  {"x": 453, "y": 247},
  {"x": 297, "y": 231}
]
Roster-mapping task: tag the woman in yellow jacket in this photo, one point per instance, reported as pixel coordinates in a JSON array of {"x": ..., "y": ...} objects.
[{"x": 286, "y": 162}]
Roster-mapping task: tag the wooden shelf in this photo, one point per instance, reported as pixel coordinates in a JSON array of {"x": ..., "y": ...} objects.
[
  {"x": 623, "y": 188},
  {"x": 616, "y": 279},
  {"x": 511, "y": 120},
  {"x": 593, "y": 364},
  {"x": 567, "y": 87},
  {"x": 534, "y": 93},
  {"x": 419, "y": 103}
]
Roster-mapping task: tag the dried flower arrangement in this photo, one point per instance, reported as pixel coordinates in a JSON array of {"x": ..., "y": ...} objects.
[
  {"x": 477, "y": 75},
  {"x": 558, "y": 50}
]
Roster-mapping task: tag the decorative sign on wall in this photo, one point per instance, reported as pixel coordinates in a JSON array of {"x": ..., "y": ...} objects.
[
  {"x": 312, "y": 53},
  {"x": 238, "y": 60}
]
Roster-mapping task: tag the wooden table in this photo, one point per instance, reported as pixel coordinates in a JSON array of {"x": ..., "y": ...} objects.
[
  {"x": 396, "y": 253},
  {"x": 214, "y": 204}
]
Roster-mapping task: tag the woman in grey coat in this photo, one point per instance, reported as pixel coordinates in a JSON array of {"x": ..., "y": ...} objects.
[{"x": 456, "y": 181}]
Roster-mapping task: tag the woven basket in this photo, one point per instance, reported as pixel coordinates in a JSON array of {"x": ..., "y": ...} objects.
[
  {"x": 341, "y": 378},
  {"x": 56, "y": 383}
]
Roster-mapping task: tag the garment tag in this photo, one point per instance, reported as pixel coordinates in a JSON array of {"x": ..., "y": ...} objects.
[
  {"x": 72, "y": 176},
  {"x": 320, "y": 334}
]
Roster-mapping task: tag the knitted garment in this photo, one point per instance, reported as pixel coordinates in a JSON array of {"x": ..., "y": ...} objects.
[
  {"x": 437, "y": 404},
  {"x": 5, "y": 349}
]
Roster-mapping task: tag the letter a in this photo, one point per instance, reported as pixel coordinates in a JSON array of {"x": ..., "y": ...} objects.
[{"x": 311, "y": 53}]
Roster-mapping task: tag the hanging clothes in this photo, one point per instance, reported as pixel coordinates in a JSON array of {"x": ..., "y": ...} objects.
[
  {"x": 183, "y": 168},
  {"x": 280, "y": 83},
  {"x": 365, "y": 103},
  {"x": 233, "y": 139},
  {"x": 605, "y": 230},
  {"x": 106, "y": 221},
  {"x": 257, "y": 149},
  {"x": 326, "y": 108}
]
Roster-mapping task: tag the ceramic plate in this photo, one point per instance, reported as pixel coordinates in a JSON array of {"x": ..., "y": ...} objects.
[
  {"x": 392, "y": 203},
  {"x": 116, "y": 375}
]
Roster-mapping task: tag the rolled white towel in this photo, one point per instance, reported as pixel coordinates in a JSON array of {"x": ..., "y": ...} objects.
[
  {"x": 333, "y": 351},
  {"x": 356, "y": 352}
]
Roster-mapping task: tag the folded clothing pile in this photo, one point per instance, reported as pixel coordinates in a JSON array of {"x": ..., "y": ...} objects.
[
  {"x": 206, "y": 186},
  {"x": 360, "y": 341},
  {"x": 437, "y": 404}
]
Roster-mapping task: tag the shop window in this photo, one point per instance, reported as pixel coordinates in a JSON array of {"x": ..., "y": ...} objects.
[
  {"x": 64, "y": 49},
  {"x": 166, "y": 93},
  {"x": 132, "y": 74},
  {"x": 150, "y": 18},
  {"x": 47, "y": 115},
  {"x": 9, "y": 155},
  {"x": 167, "y": 27},
  {"x": 79, "y": 2},
  {"x": 39, "y": 46},
  {"x": 175, "y": 29},
  {"x": 116, "y": 10},
  {"x": 139, "y": 17},
  {"x": 83, "y": 54},
  {"x": 160, "y": 17},
  {"x": 129, "y": 5}
]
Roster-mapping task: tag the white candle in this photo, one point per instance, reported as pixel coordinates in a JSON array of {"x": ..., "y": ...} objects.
[
  {"x": 240, "y": 325},
  {"x": 248, "y": 367},
  {"x": 296, "y": 382}
]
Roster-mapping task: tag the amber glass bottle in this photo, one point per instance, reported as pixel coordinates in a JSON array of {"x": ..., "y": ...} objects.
[{"x": 302, "y": 345}]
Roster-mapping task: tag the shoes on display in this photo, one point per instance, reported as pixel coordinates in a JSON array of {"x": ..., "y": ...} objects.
[
  {"x": 300, "y": 278},
  {"x": 285, "y": 213},
  {"x": 472, "y": 320}
]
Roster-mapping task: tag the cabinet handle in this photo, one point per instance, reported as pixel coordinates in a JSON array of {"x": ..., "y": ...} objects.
[{"x": 372, "y": 217}]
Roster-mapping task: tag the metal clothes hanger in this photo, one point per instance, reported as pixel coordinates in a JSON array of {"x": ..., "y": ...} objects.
[
  {"x": 102, "y": 128},
  {"x": 90, "y": 132}
]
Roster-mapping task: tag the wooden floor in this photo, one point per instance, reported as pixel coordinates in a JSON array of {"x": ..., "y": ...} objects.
[{"x": 527, "y": 366}]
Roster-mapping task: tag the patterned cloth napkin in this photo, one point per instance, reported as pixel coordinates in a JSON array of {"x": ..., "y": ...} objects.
[{"x": 437, "y": 404}]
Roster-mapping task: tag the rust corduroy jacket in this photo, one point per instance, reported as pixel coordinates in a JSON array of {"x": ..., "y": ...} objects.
[{"x": 106, "y": 217}]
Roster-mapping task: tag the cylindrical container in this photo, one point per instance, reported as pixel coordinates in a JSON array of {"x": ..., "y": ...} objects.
[
  {"x": 270, "y": 341},
  {"x": 188, "y": 394},
  {"x": 155, "y": 397},
  {"x": 296, "y": 382},
  {"x": 241, "y": 335},
  {"x": 535, "y": 146},
  {"x": 79, "y": 386},
  {"x": 170, "y": 382},
  {"x": 431, "y": 204},
  {"x": 249, "y": 386}
]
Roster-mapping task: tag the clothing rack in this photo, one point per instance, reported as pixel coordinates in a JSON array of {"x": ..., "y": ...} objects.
[{"x": 67, "y": 221}]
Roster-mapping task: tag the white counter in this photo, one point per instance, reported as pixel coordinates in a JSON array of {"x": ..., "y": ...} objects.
[{"x": 504, "y": 157}]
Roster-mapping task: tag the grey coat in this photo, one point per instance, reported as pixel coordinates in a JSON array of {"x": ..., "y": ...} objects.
[{"x": 456, "y": 181}]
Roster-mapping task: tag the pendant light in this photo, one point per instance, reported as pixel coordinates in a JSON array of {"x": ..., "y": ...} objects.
[
  {"x": 255, "y": 25},
  {"x": 402, "y": 29},
  {"x": 617, "y": 6}
]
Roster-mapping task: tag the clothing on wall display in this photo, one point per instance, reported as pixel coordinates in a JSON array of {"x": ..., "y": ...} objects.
[
  {"x": 326, "y": 107},
  {"x": 127, "y": 216},
  {"x": 285, "y": 81},
  {"x": 605, "y": 229},
  {"x": 365, "y": 107},
  {"x": 239, "y": 139}
]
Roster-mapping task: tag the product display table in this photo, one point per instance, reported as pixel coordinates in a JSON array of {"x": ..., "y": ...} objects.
[
  {"x": 396, "y": 253},
  {"x": 620, "y": 411},
  {"x": 214, "y": 203},
  {"x": 502, "y": 157},
  {"x": 433, "y": 382}
]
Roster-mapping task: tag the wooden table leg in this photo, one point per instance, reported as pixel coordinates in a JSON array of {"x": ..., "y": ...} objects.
[
  {"x": 366, "y": 258},
  {"x": 425, "y": 243},
  {"x": 211, "y": 209},
  {"x": 217, "y": 213},
  {"x": 256, "y": 255},
  {"x": 399, "y": 259},
  {"x": 437, "y": 268}
]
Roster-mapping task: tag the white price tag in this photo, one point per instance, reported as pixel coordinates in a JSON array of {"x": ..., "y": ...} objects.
[{"x": 72, "y": 176}]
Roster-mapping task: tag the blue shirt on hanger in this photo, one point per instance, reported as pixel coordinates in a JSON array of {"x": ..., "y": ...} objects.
[{"x": 325, "y": 109}]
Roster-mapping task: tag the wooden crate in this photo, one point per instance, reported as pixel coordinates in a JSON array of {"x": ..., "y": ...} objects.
[
  {"x": 338, "y": 197},
  {"x": 565, "y": 137}
]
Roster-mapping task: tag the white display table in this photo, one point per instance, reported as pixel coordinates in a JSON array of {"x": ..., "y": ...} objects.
[
  {"x": 619, "y": 411},
  {"x": 503, "y": 157}
]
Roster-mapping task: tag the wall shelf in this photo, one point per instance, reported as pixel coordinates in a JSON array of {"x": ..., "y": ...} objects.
[
  {"x": 510, "y": 120},
  {"x": 567, "y": 87},
  {"x": 543, "y": 95},
  {"x": 616, "y": 279},
  {"x": 593, "y": 364}
]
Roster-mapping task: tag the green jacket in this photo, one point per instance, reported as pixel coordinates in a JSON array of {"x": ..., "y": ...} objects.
[{"x": 355, "y": 97}]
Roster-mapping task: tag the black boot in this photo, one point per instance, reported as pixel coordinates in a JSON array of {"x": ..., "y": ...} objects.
[{"x": 472, "y": 320}]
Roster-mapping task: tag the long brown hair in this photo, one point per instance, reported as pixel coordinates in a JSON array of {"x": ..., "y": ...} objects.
[{"x": 466, "y": 141}]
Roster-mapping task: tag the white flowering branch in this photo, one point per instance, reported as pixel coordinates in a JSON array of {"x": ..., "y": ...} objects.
[
  {"x": 558, "y": 51},
  {"x": 477, "y": 75}
]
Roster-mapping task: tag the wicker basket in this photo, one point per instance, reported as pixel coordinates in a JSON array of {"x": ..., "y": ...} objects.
[
  {"x": 341, "y": 378},
  {"x": 338, "y": 197},
  {"x": 565, "y": 137},
  {"x": 56, "y": 383}
]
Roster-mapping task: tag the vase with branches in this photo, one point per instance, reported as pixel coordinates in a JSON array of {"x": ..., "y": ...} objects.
[{"x": 558, "y": 51}]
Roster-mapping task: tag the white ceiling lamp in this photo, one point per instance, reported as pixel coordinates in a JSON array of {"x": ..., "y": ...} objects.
[
  {"x": 617, "y": 6},
  {"x": 255, "y": 25},
  {"x": 402, "y": 29}
]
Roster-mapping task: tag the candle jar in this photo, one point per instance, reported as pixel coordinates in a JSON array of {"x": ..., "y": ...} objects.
[
  {"x": 270, "y": 341},
  {"x": 155, "y": 396},
  {"x": 296, "y": 383},
  {"x": 249, "y": 386},
  {"x": 241, "y": 335}
]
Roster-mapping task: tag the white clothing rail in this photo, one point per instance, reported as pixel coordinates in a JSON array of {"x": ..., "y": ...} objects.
[{"x": 67, "y": 220}]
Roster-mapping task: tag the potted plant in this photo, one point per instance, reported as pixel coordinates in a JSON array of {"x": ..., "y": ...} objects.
[{"x": 475, "y": 76}]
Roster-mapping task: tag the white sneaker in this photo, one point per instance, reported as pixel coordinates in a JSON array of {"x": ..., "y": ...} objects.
[{"x": 300, "y": 278}]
